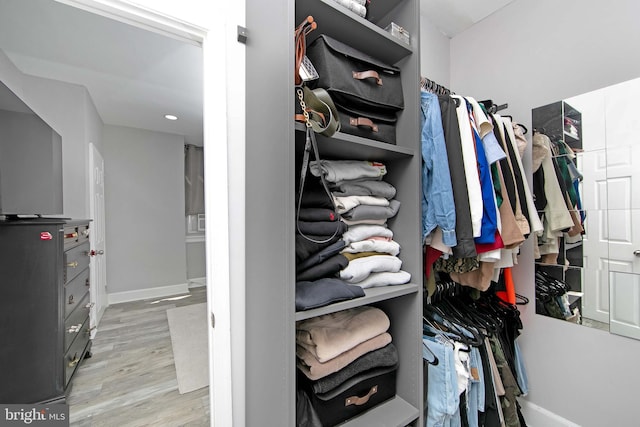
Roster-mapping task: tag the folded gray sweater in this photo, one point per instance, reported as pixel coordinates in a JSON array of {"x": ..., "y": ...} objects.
[{"x": 383, "y": 357}]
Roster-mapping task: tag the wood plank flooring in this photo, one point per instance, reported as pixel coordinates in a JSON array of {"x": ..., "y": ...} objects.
[{"x": 131, "y": 378}]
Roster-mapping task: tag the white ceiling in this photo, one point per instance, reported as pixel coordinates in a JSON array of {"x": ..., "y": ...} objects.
[
  {"x": 454, "y": 16},
  {"x": 134, "y": 76}
]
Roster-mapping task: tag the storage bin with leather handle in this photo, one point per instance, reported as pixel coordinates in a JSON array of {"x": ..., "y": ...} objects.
[
  {"x": 379, "y": 127},
  {"x": 365, "y": 89},
  {"x": 353, "y": 397}
]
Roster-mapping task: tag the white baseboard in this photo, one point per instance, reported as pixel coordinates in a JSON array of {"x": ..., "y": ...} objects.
[
  {"x": 537, "y": 416},
  {"x": 197, "y": 282},
  {"x": 148, "y": 293}
]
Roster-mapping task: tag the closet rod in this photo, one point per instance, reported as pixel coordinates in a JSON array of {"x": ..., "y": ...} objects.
[
  {"x": 433, "y": 87},
  {"x": 491, "y": 107}
]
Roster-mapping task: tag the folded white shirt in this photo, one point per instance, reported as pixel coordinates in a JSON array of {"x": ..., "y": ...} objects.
[
  {"x": 346, "y": 203},
  {"x": 350, "y": 222},
  {"x": 382, "y": 246},
  {"x": 360, "y": 268},
  {"x": 385, "y": 278},
  {"x": 359, "y": 232}
]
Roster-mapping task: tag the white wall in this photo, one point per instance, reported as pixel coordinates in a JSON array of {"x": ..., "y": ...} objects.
[
  {"x": 144, "y": 199},
  {"x": 529, "y": 54}
]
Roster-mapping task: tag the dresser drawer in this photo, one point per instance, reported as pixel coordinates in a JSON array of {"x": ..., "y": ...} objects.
[
  {"x": 73, "y": 323},
  {"x": 75, "y": 291},
  {"x": 75, "y": 260},
  {"x": 74, "y": 355},
  {"x": 75, "y": 235}
]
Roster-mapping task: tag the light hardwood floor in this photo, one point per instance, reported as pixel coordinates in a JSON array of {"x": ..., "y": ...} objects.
[{"x": 131, "y": 378}]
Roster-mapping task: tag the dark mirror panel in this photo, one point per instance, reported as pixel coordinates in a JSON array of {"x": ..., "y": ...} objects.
[{"x": 30, "y": 160}]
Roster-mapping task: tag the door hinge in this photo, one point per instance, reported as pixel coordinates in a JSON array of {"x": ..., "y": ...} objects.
[
  {"x": 213, "y": 320},
  {"x": 242, "y": 34}
]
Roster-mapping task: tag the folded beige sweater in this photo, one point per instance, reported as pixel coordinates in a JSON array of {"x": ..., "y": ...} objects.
[
  {"x": 314, "y": 370},
  {"x": 329, "y": 335}
]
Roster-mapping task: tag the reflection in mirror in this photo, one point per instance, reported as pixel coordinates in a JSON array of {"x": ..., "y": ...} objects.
[{"x": 588, "y": 258}]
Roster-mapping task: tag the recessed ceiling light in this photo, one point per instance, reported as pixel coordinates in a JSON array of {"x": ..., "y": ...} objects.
[{"x": 170, "y": 117}]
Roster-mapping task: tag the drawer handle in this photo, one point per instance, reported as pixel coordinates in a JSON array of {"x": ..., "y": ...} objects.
[
  {"x": 355, "y": 400},
  {"x": 74, "y": 329},
  {"x": 369, "y": 74},
  {"x": 85, "y": 232},
  {"x": 90, "y": 305},
  {"x": 73, "y": 362},
  {"x": 363, "y": 122},
  {"x": 73, "y": 264},
  {"x": 70, "y": 299}
]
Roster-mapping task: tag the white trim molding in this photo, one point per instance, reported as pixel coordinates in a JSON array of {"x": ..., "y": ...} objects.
[
  {"x": 148, "y": 293},
  {"x": 141, "y": 17},
  {"x": 195, "y": 238},
  {"x": 537, "y": 416},
  {"x": 197, "y": 282}
]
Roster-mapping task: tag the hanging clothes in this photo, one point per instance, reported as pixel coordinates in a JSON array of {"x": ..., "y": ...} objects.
[
  {"x": 485, "y": 181},
  {"x": 464, "y": 230},
  {"x": 556, "y": 198},
  {"x": 438, "y": 207},
  {"x": 479, "y": 373}
]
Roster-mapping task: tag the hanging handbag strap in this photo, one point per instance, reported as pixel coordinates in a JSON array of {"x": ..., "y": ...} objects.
[
  {"x": 311, "y": 144},
  {"x": 300, "y": 38},
  {"x": 323, "y": 114},
  {"x": 319, "y": 114}
]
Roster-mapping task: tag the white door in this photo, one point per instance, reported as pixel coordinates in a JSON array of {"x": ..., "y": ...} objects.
[
  {"x": 595, "y": 300},
  {"x": 623, "y": 129},
  {"x": 593, "y": 192},
  {"x": 96, "y": 237}
]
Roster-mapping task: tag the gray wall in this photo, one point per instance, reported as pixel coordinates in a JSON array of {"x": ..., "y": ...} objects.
[
  {"x": 144, "y": 198},
  {"x": 196, "y": 260},
  {"x": 156, "y": 257},
  {"x": 529, "y": 54},
  {"x": 434, "y": 53},
  {"x": 69, "y": 110}
]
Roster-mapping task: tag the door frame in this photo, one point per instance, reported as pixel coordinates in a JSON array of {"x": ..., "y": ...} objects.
[{"x": 216, "y": 42}]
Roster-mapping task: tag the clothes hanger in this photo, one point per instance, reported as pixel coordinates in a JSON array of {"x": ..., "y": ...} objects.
[
  {"x": 435, "y": 331},
  {"x": 463, "y": 324},
  {"x": 521, "y": 299},
  {"x": 453, "y": 319},
  {"x": 524, "y": 128},
  {"x": 474, "y": 312},
  {"x": 435, "y": 360}
]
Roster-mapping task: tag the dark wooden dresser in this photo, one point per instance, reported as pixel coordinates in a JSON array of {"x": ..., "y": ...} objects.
[{"x": 44, "y": 307}]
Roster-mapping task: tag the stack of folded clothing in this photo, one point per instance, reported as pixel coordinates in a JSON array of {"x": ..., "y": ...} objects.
[
  {"x": 318, "y": 258},
  {"x": 343, "y": 354},
  {"x": 365, "y": 202},
  {"x": 359, "y": 7}
]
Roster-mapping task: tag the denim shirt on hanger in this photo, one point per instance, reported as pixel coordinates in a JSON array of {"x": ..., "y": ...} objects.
[{"x": 438, "y": 208}]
